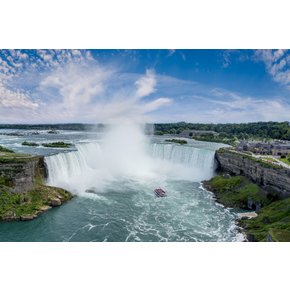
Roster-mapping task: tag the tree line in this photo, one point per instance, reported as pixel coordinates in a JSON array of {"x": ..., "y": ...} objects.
[{"x": 267, "y": 130}]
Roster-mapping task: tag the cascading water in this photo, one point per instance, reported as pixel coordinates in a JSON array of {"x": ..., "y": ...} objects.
[
  {"x": 199, "y": 163},
  {"x": 91, "y": 165}
]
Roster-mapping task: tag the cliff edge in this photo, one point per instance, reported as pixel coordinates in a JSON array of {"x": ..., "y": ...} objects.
[
  {"x": 247, "y": 182},
  {"x": 23, "y": 194},
  {"x": 271, "y": 177}
]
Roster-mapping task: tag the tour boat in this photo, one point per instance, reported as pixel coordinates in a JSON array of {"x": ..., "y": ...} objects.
[{"x": 159, "y": 192}]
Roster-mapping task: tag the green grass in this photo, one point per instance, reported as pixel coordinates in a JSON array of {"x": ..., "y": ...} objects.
[
  {"x": 5, "y": 181},
  {"x": 270, "y": 159},
  {"x": 5, "y": 150},
  {"x": 182, "y": 142},
  {"x": 285, "y": 160},
  {"x": 57, "y": 145},
  {"x": 237, "y": 191},
  {"x": 273, "y": 219},
  {"x": 9, "y": 157},
  {"x": 29, "y": 203},
  {"x": 2, "y": 180},
  {"x": 15, "y": 205}
]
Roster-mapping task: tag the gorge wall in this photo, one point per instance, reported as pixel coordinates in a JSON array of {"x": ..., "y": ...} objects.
[
  {"x": 20, "y": 173},
  {"x": 272, "y": 178}
]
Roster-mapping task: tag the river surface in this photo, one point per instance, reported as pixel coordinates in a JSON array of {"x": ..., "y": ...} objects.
[{"x": 113, "y": 177}]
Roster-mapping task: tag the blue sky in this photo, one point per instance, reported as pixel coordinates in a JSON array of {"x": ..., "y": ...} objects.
[{"x": 211, "y": 86}]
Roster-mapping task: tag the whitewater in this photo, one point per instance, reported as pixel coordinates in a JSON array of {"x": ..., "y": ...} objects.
[
  {"x": 97, "y": 165},
  {"x": 113, "y": 177}
]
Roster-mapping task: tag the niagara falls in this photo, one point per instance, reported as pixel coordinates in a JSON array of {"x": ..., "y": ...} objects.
[
  {"x": 113, "y": 174},
  {"x": 136, "y": 146}
]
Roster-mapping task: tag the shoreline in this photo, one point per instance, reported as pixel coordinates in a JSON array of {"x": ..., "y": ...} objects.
[
  {"x": 259, "y": 217},
  {"x": 248, "y": 214},
  {"x": 240, "y": 229},
  {"x": 33, "y": 203}
]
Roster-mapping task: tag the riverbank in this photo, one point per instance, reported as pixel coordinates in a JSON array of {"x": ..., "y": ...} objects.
[
  {"x": 29, "y": 205},
  {"x": 23, "y": 194},
  {"x": 245, "y": 183}
]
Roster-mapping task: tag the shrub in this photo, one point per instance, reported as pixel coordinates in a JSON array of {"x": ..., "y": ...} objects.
[
  {"x": 25, "y": 143},
  {"x": 4, "y": 149}
]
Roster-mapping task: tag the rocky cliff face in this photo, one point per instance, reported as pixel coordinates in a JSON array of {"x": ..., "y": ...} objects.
[
  {"x": 273, "y": 179},
  {"x": 20, "y": 173}
]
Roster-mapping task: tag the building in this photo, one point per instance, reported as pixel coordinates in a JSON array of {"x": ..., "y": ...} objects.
[
  {"x": 265, "y": 148},
  {"x": 281, "y": 149}
]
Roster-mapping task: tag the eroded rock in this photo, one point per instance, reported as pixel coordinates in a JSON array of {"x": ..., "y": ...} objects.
[{"x": 55, "y": 202}]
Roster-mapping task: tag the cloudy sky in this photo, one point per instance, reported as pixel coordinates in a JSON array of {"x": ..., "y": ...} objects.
[{"x": 212, "y": 86}]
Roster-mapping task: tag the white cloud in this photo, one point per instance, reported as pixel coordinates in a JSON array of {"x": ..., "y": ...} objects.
[
  {"x": 156, "y": 104},
  {"x": 233, "y": 107},
  {"x": 146, "y": 84},
  {"x": 15, "y": 99},
  {"x": 171, "y": 52},
  {"x": 277, "y": 63},
  {"x": 70, "y": 86},
  {"x": 91, "y": 92},
  {"x": 77, "y": 85}
]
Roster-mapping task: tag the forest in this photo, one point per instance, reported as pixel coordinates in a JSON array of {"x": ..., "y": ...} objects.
[{"x": 265, "y": 130}]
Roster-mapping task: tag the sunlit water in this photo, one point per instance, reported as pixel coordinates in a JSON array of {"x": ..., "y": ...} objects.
[{"x": 114, "y": 183}]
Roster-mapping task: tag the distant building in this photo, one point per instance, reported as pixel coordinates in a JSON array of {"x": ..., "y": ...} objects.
[
  {"x": 242, "y": 146},
  {"x": 265, "y": 148},
  {"x": 281, "y": 149}
]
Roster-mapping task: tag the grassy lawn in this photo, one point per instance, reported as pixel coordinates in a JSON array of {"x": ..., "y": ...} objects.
[
  {"x": 236, "y": 191},
  {"x": 270, "y": 159},
  {"x": 28, "y": 203},
  {"x": 285, "y": 160},
  {"x": 8, "y": 157},
  {"x": 273, "y": 219}
]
